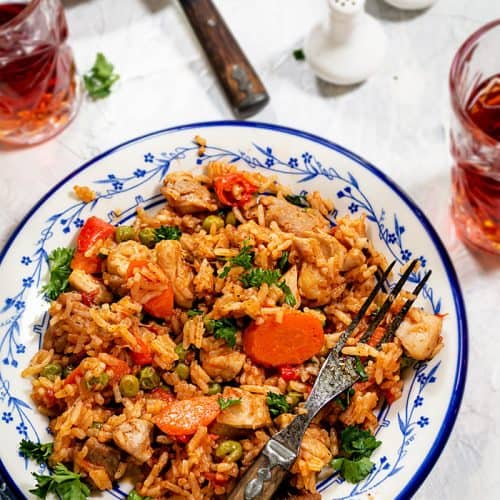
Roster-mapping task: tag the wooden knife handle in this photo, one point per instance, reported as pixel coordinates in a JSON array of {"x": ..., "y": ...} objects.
[{"x": 240, "y": 82}]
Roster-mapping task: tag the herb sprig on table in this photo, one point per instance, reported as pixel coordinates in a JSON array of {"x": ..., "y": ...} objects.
[{"x": 101, "y": 77}]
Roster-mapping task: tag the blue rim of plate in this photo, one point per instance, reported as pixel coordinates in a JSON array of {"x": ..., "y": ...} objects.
[{"x": 462, "y": 358}]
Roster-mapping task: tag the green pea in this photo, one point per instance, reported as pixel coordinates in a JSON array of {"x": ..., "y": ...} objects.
[
  {"x": 214, "y": 388},
  {"x": 148, "y": 378},
  {"x": 294, "y": 398},
  {"x": 51, "y": 371},
  {"x": 182, "y": 371},
  {"x": 180, "y": 351},
  {"x": 148, "y": 237},
  {"x": 232, "y": 451},
  {"x": 124, "y": 233},
  {"x": 231, "y": 219},
  {"x": 129, "y": 386},
  {"x": 212, "y": 220},
  {"x": 96, "y": 425},
  {"x": 100, "y": 381}
]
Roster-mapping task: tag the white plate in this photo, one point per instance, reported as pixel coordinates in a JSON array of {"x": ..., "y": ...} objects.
[{"x": 413, "y": 430}]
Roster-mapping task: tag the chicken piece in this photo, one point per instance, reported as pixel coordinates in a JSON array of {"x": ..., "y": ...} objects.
[
  {"x": 420, "y": 334},
  {"x": 134, "y": 437},
  {"x": 314, "y": 286},
  {"x": 187, "y": 195},
  {"x": 354, "y": 258},
  {"x": 103, "y": 456},
  {"x": 291, "y": 218},
  {"x": 223, "y": 363},
  {"x": 120, "y": 257},
  {"x": 204, "y": 281},
  {"x": 251, "y": 413},
  {"x": 90, "y": 286},
  {"x": 169, "y": 256},
  {"x": 317, "y": 248}
]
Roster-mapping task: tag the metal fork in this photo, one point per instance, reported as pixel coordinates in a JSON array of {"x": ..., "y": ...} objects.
[{"x": 337, "y": 374}]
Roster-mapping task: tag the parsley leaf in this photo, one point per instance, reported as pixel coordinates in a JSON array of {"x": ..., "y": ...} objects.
[
  {"x": 297, "y": 199},
  {"x": 277, "y": 404},
  {"x": 227, "y": 402},
  {"x": 360, "y": 369},
  {"x": 243, "y": 259},
  {"x": 352, "y": 471},
  {"x": 194, "y": 312},
  {"x": 63, "y": 482},
  {"x": 289, "y": 296},
  {"x": 299, "y": 55},
  {"x": 358, "y": 443},
  {"x": 36, "y": 451},
  {"x": 133, "y": 495},
  {"x": 224, "y": 328},
  {"x": 257, "y": 276},
  {"x": 283, "y": 262},
  {"x": 168, "y": 233},
  {"x": 59, "y": 266},
  {"x": 99, "y": 80}
]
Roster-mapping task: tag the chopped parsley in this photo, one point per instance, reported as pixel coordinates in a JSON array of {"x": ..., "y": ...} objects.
[
  {"x": 407, "y": 362},
  {"x": 38, "y": 452},
  {"x": 283, "y": 262},
  {"x": 357, "y": 445},
  {"x": 277, "y": 404},
  {"x": 167, "y": 233},
  {"x": 224, "y": 329},
  {"x": 65, "y": 484},
  {"x": 133, "y": 495},
  {"x": 243, "y": 259},
  {"x": 257, "y": 276},
  {"x": 360, "y": 369},
  {"x": 299, "y": 55},
  {"x": 99, "y": 80},
  {"x": 59, "y": 267},
  {"x": 194, "y": 312},
  {"x": 227, "y": 402},
  {"x": 298, "y": 199}
]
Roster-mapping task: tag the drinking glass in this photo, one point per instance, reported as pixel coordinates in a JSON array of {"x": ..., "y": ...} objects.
[
  {"x": 39, "y": 87},
  {"x": 475, "y": 138}
]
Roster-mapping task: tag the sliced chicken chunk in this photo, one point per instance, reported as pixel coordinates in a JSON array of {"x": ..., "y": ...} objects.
[
  {"x": 251, "y": 413},
  {"x": 92, "y": 287},
  {"x": 223, "y": 363},
  {"x": 291, "y": 218},
  {"x": 103, "y": 456},
  {"x": 420, "y": 334},
  {"x": 134, "y": 437},
  {"x": 186, "y": 195},
  {"x": 120, "y": 257},
  {"x": 169, "y": 256}
]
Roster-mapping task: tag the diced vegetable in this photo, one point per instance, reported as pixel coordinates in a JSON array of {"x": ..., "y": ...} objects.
[
  {"x": 129, "y": 386},
  {"x": 230, "y": 450},
  {"x": 142, "y": 356},
  {"x": 234, "y": 189},
  {"x": 180, "y": 351},
  {"x": 297, "y": 338},
  {"x": 288, "y": 373},
  {"x": 147, "y": 237},
  {"x": 183, "y": 417},
  {"x": 51, "y": 371},
  {"x": 376, "y": 336},
  {"x": 231, "y": 219},
  {"x": 214, "y": 388},
  {"x": 148, "y": 378},
  {"x": 212, "y": 220},
  {"x": 97, "y": 383},
  {"x": 93, "y": 230},
  {"x": 182, "y": 371},
  {"x": 91, "y": 265},
  {"x": 124, "y": 233}
]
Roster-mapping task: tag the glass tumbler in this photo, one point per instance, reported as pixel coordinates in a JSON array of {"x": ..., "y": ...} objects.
[
  {"x": 475, "y": 139},
  {"x": 39, "y": 86}
]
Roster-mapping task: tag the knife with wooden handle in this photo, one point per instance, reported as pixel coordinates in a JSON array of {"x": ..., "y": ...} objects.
[{"x": 240, "y": 82}]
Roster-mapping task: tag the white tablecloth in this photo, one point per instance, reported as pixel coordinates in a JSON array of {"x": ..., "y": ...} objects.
[{"x": 398, "y": 120}]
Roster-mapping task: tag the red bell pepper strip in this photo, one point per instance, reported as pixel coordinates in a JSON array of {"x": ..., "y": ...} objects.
[{"x": 234, "y": 189}]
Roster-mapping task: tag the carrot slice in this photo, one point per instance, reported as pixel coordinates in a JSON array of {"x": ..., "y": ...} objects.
[
  {"x": 91, "y": 265},
  {"x": 376, "y": 336},
  {"x": 297, "y": 338},
  {"x": 184, "y": 417}
]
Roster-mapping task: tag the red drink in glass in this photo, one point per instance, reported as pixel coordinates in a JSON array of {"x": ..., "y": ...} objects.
[
  {"x": 39, "y": 86},
  {"x": 475, "y": 139}
]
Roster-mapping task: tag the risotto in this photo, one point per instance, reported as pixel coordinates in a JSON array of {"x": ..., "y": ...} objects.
[{"x": 179, "y": 345}]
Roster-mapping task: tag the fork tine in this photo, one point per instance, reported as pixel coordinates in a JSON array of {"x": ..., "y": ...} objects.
[
  {"x": 388, "y": 302},
  {"x": 354, "y": 323},
  {"x": 400, "y": 316},
  {"x": 379, "y": 275}
]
